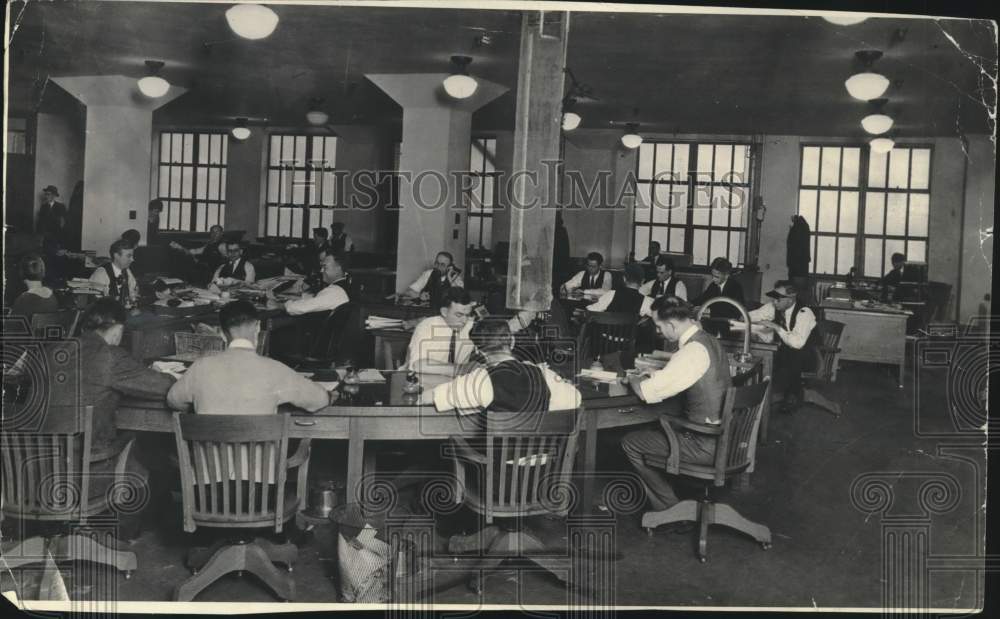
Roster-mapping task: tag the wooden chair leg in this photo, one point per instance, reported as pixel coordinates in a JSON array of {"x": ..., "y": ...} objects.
[
  {"x": 25, "y": 552},
  {"x": 286, "y": 554},
  {"x": 685, "y": 511},
  {"x": 473, "y": 542},
  {"x": 811, "y": 396},
  {"x": 727, "y": 516},
  {"x": 705, "y": 518},
  {"x": 82, "y": 548},
  {"x": 258, "y": 563},
  {"x": 228, "y": 559},
  {"x": 198, "y": 557}
]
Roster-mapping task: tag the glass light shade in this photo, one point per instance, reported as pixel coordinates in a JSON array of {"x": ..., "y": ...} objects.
[
  {"x": 881, "y": 145},
  {"x": 570, "y": 121},
  {"x": 252, "y": 21},
  {"x": 631, "y": 140},
  {"x": 241, "y": 133},
  {"x": 460, "y": 86},
  {"x": 867, "y": 86},
  {"x": 844, "y": 19},
  {"x": 317, "y": 117},
  {"x": 153, "y": 86},
  {"x": 876, "y": 124}
]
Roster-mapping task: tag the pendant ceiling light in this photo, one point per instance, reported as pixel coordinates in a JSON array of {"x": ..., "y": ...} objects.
[
  {"x": 459, "y": 84},
  {"x": 844, "y": 19},
  {"x": 252, "y": 21},
  {"x": 877, "y": 122},
  {"x": 570, "y": 120},
  {"x": 631, "y": 138},
  {"x": 881, "y": 145},
  {"x": 867, "y": 85},
  {"x": 153, "y": 85},
  {"x": 315, "y": 115},
  {"x": 241, "y": 131}
]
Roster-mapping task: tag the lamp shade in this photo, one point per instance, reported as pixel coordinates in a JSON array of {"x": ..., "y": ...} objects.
[
  {"x": 876, "y": 124},
  {"x": 460, "y": 86},
  {"x": 867, "y": 86},
  {"x": 252, "y": 21},
  {"x": 570, "y": 121},
  {"x": 631, "y": 140},
  {"x": 844, "y": 19},
  {"x": 241, "y": 133},
  {"x": 881, "y": 145},
  {"x": 153, "y": 86},
  {"x": 317, "y": 117}
]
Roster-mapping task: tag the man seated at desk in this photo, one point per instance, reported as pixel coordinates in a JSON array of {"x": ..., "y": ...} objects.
[
  {"x": 895, "y": 274},
  {"x": 433, "y": 282},
  {"x": 236, "y": 270},
  {"x": 208, "y": 257},
  {"x": 238, "y": 381},
  {"x": 722, "y": 286},
  {"x": 654, "y": 253},
  {"x": 592, "y": 277},
  {"x": 505, "y": 384},
  {"x": 626, "y": 300},
  {"x": 115, "y": 278},
  {"x": 329, "y": 298},
  {"x": 698, "y": 374},
  {"x": 793, "y": 323},
  {"x": 441, "y": 344},
  {"x": 340, "y": 241},
  {"x": 664, "y": 283}
]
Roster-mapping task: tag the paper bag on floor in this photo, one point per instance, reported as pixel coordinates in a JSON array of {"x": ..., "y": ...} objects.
[{"x": 363, "y": 562}]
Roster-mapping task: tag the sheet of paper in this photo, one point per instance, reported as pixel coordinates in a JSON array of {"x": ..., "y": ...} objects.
[{"x": 328, "y": 385}]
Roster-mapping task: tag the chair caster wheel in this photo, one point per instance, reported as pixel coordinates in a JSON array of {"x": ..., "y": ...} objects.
[
  {"x": 703, "y": 559},
  {"x": 476, "y": 585},
  {"x": 289, "y": 568},
  {"x": 128, "y": 575},
  {"x": 765, "y": 545},
  {"x": 194, "y": 571},
  {"x": 649, "y": 531},
  {"x": 239, "y": 573}
]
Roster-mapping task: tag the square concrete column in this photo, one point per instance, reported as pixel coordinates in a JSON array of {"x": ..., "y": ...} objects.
[
  {"x": 433, "y": 168},
  {"x": 117, "y": 154}
]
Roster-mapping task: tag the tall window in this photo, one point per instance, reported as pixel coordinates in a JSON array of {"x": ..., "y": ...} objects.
[
  {"x": 862, "y": 207},
  {"x": 692, "y": 199},
  {"x": 192, "y": 180},
  {"x": 301, "y": 186},
  {"x": 484, "y": 189}
]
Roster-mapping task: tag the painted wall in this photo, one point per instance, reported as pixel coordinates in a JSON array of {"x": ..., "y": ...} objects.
[
  {"x": 977, "y": 228},
  {"x": 244, "y": 185},
  {"x": 59, "y": 155}
]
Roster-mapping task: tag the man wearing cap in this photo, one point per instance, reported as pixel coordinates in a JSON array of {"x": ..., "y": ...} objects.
[
  {"x": 793, "y": 323},
  {"x": 49, "y": 210}
]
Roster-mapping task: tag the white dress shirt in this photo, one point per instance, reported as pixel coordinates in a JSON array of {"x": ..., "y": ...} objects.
[
  {"x": 418, "y": 286},
  {"x": 796, "y": 338},
  {"x": 249, "y": 278},
  {"x": 684, "y": 369},
  {"x": 326, "y": 300},
  {"x": 100, "y": 278},
  {"x": 577, "y": 280},
  {"x": 473, "y": 392},
  {"x": 604, "y": 301},
  {"x": 680, "y": 291},
  {"x": 431, "y": 340}
]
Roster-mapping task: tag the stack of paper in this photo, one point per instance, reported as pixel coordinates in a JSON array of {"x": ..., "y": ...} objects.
[
  {"x": 367, "y": 375},
  {"x": 202, "y": 293},
  {"x": 603, "y": 376},
  {"x": 380, "y": 322},
  {"x": 84, "y": 286}
]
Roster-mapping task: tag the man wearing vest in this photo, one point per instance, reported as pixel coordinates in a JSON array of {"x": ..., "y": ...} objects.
[
  {"x": 115, "y": 278},
  {"x": 505, "y": 384},
  {"x": 593, "y": 277},
  {"x": 627, "y": 300},
  {"x": 664, "y": 284},
  {"x": 236, "y": 270},
  {"x": 340, "y": 241},
  {"x": 698, "y": 374},
  {"x": 432, "y": 283},
  {"x": 329, "y": 298},
  {"x": 206, "y": 258},
  {"x": 793, "y": 323}
]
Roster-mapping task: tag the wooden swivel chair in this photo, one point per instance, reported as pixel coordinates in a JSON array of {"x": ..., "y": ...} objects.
[
  {"x": 521, "y": 468},
  {"x": 335, "y": 339},
  {"x": 827, "y": 351},
  {"x": 735, "y": 454},
  {"x": 604, "y": 333},
  {"x": 47, "y": 479},
  {"x": 233, "y": 474},
  {"x": 43, "y": 323}
]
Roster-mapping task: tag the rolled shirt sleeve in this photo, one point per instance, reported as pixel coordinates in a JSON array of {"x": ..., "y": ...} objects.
[
  {"x": 466, "y": 394},
  {"x": 299, "y": 391},
  {"x": 602, "y": 303},
  {"x": 804, "y": 324},
  {"x": 574, "y": 282},
  {"x": 681, "y": 290},
  {"x": 683, "y": 370},
  {"x": 418, "y": 285},
  {"x": 328, "y": 299},
  {"x": 100, "y": 278}
]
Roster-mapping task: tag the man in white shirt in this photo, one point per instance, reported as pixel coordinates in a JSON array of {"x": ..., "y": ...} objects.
[
  {"x": 664, "y": 283},
  {"x": 693, "y": 382},
  {"x": 441, "y": 344},
  {"x": 432, "y": 282},
  {"x": 236, "y": 270},
  {"x": 793, "y": 323},
  {"x": 505, "y": 384},
  {"x": 115, "y": 278},
  {"x": 593, "y": 277},
  {"x": 329, "y": 298}
]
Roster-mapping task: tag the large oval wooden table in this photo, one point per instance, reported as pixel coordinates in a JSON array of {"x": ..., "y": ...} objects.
[{"x": 382, "y": 412}]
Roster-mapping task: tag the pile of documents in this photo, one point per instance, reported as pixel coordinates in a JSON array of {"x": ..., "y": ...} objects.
[
  {"x": 602, "y": 376},
  {"x": 380, "y": 322},
  {"x": 84, "y": 286}
]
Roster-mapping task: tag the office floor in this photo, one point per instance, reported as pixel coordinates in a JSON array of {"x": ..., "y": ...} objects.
[{"x": 827, "y": 547}]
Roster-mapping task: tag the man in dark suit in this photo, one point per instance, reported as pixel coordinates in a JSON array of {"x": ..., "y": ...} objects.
[
  {"x": 722, "y": 286},
  {"x": 49, "y": 211}
]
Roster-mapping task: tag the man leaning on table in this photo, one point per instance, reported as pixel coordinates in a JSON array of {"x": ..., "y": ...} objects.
[
  {"x": 592, "y": 277},
  {"x": 236, "y": 269},
  {"x": 238, "y": 381},
  {"x": 441, "y": 344},
  {"x": 115, "y": 278},
  {"x": 330, "y": 297},
  {"x": 693, "y": 382}
]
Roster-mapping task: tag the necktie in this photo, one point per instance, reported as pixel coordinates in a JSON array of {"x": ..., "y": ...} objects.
[
  {"x": 451, "y": 346},
  {"x": 123, "y": 295}
]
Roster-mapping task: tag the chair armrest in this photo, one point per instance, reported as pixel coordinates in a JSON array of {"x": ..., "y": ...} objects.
[
  {"x": 674, "y": 457},
  {"x": 301, "y": 454},
  {"x": 464, "y": 451},
  {"x": 828, "y": 349},
  {"x": 700, "y": 428}
]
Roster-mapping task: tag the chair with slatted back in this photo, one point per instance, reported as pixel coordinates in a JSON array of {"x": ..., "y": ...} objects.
[
  {"x": 736, "y": 452},
  {"x": 827, "y": 350},
  {"x": 604, "y": 333},
  {"x": 47, "y": 479},
  {"x": 60, "y": 324},
  {"x": 198, "y": 344},
  {"x": 521, "y": 468},
  {"x": 233, "y": 474}
]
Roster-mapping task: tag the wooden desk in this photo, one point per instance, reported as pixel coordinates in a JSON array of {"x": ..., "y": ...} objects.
[{"x": 871, "y": 336}]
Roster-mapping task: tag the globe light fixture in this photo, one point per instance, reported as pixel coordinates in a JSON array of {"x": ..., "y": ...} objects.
[
  {"x": 241, "y": 131},
  {"x": 876, "y": 124},
  {"x": 459, "y": 85},
  {"x": 631, "y": 139},
  {"x": 867, "y": 85},
  {"x": 844, "y": 19},
  {"x": 252, "y": 21},
  {"x": 570, "y": 121},
  {"x": 881, "y": 145},
  {"x": 152, "y": 85}
]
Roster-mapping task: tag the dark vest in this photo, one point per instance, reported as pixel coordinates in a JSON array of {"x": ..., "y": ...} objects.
[
  {"x": 592, "y": 282},
  {"x": 240, "y": 272},
  {"x": 113, "y": 289},
  {"x": 626, "y": 301},
  {"x": 339, "y": 244},
  {"x": 659, "y": 289},
  {"x": 518, "y": 387},
  {"x": 779, "y": 319},
  {"x": 704, "y": 399},
  {"x": 435, "y": 286}
]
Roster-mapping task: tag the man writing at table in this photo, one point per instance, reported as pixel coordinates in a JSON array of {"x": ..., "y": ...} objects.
[
  {"x": 238, "y": 381},
  {"x": 664, "y": 283},
  {"x": 593, "y": 277},
  {"x": 433, "y": 283},
  {"x": 236, "y": 270},
  {"x": 441, "y": 344},
  {"x": 329, "y": 298},
  {"x": 698, "y": 375},
  {"x": 115, "y": 278}
]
